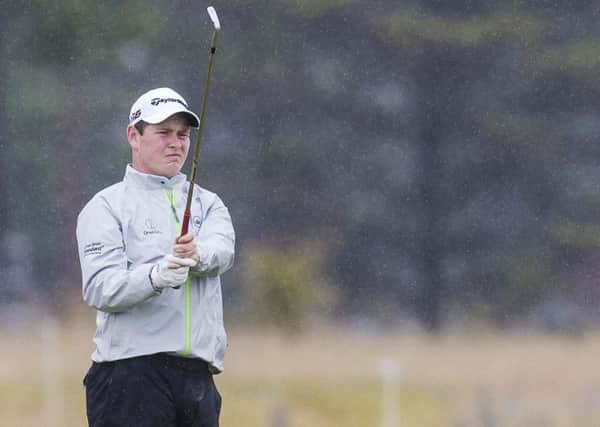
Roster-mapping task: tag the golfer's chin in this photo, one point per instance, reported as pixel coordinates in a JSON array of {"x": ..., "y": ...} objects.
[{"x": 171, "y": 168}]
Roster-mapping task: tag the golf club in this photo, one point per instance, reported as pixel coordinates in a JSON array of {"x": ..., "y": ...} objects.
[{"x": 192, "y": 179}]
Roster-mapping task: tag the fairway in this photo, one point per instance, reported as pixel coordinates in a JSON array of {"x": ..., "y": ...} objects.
[{"x": 329, "y": 377}]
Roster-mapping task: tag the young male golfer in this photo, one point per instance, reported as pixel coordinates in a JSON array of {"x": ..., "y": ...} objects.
[{"x": 159, "y": 326}]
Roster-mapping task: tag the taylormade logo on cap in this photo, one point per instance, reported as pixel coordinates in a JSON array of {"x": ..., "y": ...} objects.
[{"x": 157, "y": 105}]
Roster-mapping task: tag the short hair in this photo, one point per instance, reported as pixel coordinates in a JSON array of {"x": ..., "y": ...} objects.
[{"x": 140, "y": 126}]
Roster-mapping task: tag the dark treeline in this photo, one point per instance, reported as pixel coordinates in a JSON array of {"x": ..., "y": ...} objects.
[{"x": 424, "y": 160}]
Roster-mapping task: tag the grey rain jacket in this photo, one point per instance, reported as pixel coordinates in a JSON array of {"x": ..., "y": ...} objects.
[{"x": 121, "y": 233}]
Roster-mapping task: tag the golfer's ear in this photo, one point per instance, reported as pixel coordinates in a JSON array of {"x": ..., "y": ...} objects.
[{"x": 132, "y": 137}]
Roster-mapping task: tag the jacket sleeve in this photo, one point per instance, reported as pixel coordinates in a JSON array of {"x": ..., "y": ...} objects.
[
  {"x": 107, "y": 282},
  {"x": 215, "y": 241}
]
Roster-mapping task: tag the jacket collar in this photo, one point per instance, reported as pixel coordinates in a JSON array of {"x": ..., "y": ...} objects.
[{"x": 152, "y": 182}]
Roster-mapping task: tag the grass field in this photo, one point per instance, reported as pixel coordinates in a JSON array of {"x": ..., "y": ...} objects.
[{"x": 329, "y": 377}]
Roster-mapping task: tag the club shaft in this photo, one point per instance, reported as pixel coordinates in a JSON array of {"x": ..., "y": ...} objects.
[{"x": 188, "y": 204}]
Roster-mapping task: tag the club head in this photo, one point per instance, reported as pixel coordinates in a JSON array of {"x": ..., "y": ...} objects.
[{"x": 214, "y": 18}]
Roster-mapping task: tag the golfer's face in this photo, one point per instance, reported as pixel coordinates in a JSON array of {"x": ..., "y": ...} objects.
[{"x": 163, "y": 147}]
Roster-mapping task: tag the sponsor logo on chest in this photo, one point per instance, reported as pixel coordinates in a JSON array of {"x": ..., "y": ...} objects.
[{"x": 150, "y": 227}]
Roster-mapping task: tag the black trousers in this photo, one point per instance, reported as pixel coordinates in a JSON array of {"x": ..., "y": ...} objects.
[{"x": 156, "y": 390}]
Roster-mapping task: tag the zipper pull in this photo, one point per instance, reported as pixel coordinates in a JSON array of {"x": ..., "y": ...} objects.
[{"x": 175, "y": 214}]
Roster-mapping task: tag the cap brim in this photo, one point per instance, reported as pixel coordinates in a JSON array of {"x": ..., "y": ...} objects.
[{"x": 164, "y": 115}]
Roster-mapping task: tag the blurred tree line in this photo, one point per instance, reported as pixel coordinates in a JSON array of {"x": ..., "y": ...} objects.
[{"x": 389, "y": 159}]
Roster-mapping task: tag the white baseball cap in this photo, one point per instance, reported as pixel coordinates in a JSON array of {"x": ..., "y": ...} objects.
[{"x": 157, "y": 105}]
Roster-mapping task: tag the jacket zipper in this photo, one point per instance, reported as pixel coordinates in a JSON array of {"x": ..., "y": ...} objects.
[{"x": 170, "y": 195}]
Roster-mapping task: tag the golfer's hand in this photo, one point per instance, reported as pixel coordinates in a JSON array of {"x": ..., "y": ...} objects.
[
  {"x": 185, "y": 247},
  {"x": 170, "y": 272}
]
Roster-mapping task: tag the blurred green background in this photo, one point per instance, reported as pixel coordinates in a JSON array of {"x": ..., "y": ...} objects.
[{"x": 421, "y": 168}]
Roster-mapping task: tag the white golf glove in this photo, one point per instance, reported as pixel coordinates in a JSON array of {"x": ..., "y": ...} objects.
[{"x": 170, "y": 272}]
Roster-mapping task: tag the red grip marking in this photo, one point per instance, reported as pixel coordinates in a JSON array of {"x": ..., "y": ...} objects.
[{"x": 186, "y": 222}]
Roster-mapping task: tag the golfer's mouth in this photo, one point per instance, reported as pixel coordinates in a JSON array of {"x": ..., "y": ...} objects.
[{"x": 173, "y": 157}]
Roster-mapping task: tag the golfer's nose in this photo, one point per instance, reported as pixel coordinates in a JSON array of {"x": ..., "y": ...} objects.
[{"x": 174, "y": 142}]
